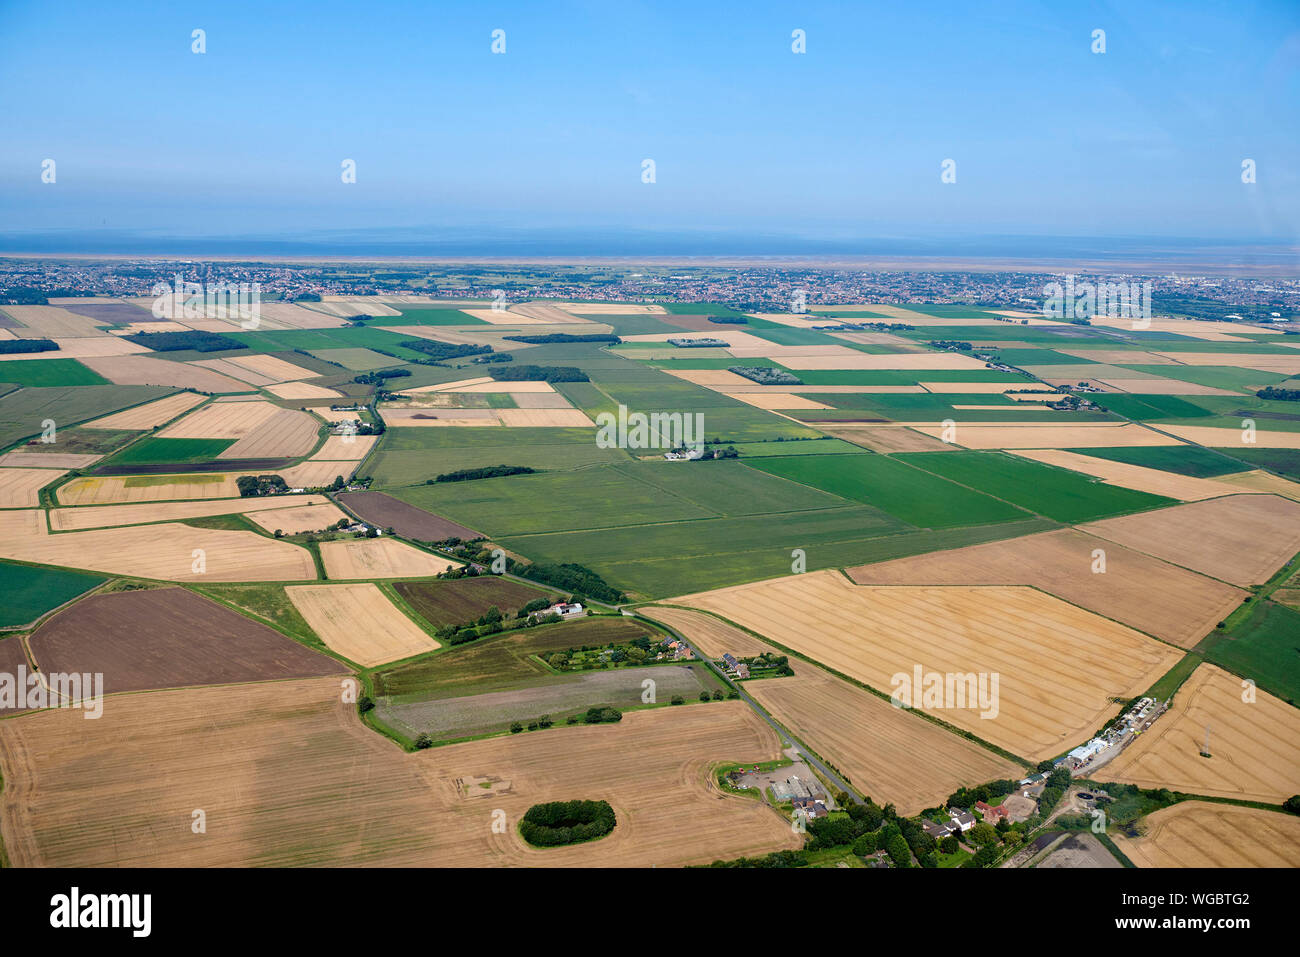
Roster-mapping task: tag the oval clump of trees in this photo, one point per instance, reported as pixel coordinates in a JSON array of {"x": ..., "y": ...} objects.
[{"x": 566, "y": 822}]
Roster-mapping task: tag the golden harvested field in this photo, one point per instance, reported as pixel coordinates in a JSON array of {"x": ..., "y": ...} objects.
[
  {"x": 611, "y": 308},
  {"x": 492, "y": 385},
  {"x": 721, "y": 378},
  {"x": 288, "y": 777},
  {"x": 1201, "y": 834},
  {"x": 706, "y": 633},
  {"x": 1156, "y": 481},
  {"x": 380, "y": 558},
  {"x": 546, "y": 418},
  {"x": 1154, "y": 386},
  {"x": 52, "y": 321},
  {"x": 1286, "y": 365},
  {"x": 360, "y": 623},
  {"x": 302, "y": 518},
  {"x": 1142, "y": 592},
  {"x": 1192, "y": 328},
  {"x": 509, "y": 317},
  {"x": 1233, "y": 438},
  {"x": 222, "y": 420},
  {"x": 1241, "y": 539},
  {"x": 278, "y": 370},
  {"x": 315, "y": 474},
  {"x": 776, "y": 400},
  {"x": 96, "y": 346},
  {"x": 1254, "y": 746},
  {"x": 1259, "y": 481},
  {"x": 286, "y": 434},
  {"x": 288, "y": 315},
  {"x": 146, "y": 370},
  {"x": 107, "y": 516},
  {"x": 890, "y": 755},
  {"x": 886, "y": 438},
  {"x": 852, "y": 359},
  {"x": 28, "y": 457},
  {"x": 119, "y": 489},
  {"x": 345, "y": 448},
  {"x": 21, "y": 523},
  {"x": 458, "y": 385},
  {"x": 1058, "y": 666},
  {"x": 301, "y": 390},
  {"x": 227, "y": 368},
  {"x": 170, "y": 552},
  {"x": 144, "y": 417},
  {"x": 20, "y": 488},
  {"x": 1044, "y": 435}
]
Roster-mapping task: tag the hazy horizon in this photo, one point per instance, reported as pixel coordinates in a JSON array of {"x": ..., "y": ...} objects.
[{"x": 756, "y": 148}]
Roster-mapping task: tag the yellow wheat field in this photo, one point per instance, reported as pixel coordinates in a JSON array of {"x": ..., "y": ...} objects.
[
  {"x": 170, "y": 552},
  {"x": 107, "y": 516},
  {"x": 1155, "y": 481},
  {"x": 1254, "y": 744},
  {"x": 1058, "y": 667},
  {"x": 1241, "y": 539},
  {"x": 118, "y": 489},
  {"x": 379, "y": 558},
  {"x": 890, "y": 755},
  {"x": 1235, "y": 438},
  {"x": 301, "y": 390},
  {"x": 1042, "y": 435},
  {"x": 20, "y": 488},
  {"x": 359, "y": 623},
  {"x": 222, "y": 420},
  {"x": 286, "y": 434},
  {"x": 149, "y": 415},
  {"x": 1200, "y": 834},
  {"x": 295, "y": 780},
  {"x": 301, "y": 518}
]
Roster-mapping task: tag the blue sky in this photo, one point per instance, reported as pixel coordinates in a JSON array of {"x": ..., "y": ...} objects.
[{"x": 847, "y": 139}]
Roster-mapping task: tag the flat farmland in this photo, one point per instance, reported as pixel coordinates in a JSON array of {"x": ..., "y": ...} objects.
[
  {"x": 1240, "y": 539},
  {"x": 106, "y": 516},
  {"x": 1059, "y": 667},
  {"x": 359, "y": 623},
  {"x": 1053, "y": 492},
  {"x": 286, "y": 434},
  {"x": 1200, "y": 834},
  {"x": 463, "y": 600},
  {"x": 409, "y": 456},
  {"x": 500, "y": 661},
  {"x": 1033, "y": 435},
  {"x": 379, "y": 558},
  {"x": 1142, "y": 592},
  {"x": 149, "y": 415},
  {"x": 115, "y": 490},
  {"x": 558, "y": 696},
  {"x": 1184, "y": 488},
  {"x": 1254, "y": 746},
  {"x": 345, "y": 448},
  {"x": 23, "y": 411},
  {"x": 1189, "y": 460},
  {"x": 30, "y": 592},
  {"x": 405, "y": 519},
  {"x": 892, "y": 756},
  {"x": 222, "y": 420},
  {"x": 298, "y": 519},
  {"x": 12, "y": 657},
  {"x": 915, "y": 496},
  {"x": 707, "y": 634},
  {"x": 169, "y": 552},
  {"x": 291, "y": 773},
  {"x": 146, "y": 370},
  {"x": 20, "y": 488},
  {"x": 169, "y": 638}
]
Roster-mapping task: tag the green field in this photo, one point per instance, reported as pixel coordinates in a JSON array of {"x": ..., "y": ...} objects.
[
  {"x": 49, "y": 372},
  {"x": 910, "y": 494},
  {"x": 31, "y": 592},
  {"x": 638, "y": 493},
  {"x": 1283, "y": 461},
  {"x": 825, "y": 446},
  {"x": 1057, "y": 494},
  {"x": 427, "y": 316},
  {"x": 500, "y": 661},
  {"x": 155, "y": 451},
  {"x": 1264, "y": 646},
  {"x": 268, "y": 602},
  {"x": 409, "y": 456},
  {"x": 1218, "y": 377},
  {"x": 1142, "y": 408},
  {"x": 1183, "y": 459},
  {"x": 23, "y": 411},
  {"x": 358, "y": 360}
]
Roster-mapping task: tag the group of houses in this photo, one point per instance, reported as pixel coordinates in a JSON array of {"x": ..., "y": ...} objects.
[
  {"x": 1117, "y": 737},
  {"x": 734, "y": 669}
]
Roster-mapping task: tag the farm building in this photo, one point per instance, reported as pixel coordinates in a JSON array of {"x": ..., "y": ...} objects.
[{"x": 567, "y": 610}]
